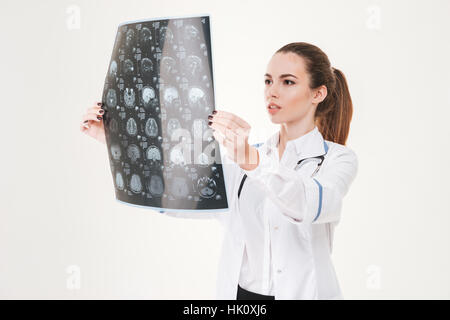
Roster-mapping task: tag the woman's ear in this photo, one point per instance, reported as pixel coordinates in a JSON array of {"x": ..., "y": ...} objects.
[{"x": 319, "y": 94}]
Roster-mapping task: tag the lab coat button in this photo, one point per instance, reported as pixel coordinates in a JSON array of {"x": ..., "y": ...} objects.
[
  {"x": 278, "y": 271},
  {"x": 276, "y": 228}
]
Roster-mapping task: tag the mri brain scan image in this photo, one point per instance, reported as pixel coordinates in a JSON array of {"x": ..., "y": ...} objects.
[
  {"x": 136, "y": 183},
  {"x": 191, "y": 33},
  {"x": 166, "y": 35},
  {"x": 197, "y": 98},
  {"x": 146, "y": 67},
  {"x": 120, "y": 184},
  {"x": 151, "y": 128},
  {"x": 145, "y": 37},
  {"x": 148, "y": 96},
  {"x": 128, "y": 67},
  {"x": 113, "y": 69},
  {"x": 179, "y": 187},
  {"x": 177, "y": 156},
  {"x": 113, "y": 125},
  {"x": 130, "y": 38},
  {"x": 206, "y": 187},
  {"x": 116, "y": 152},
  {"x": 153, "y": 154},
  {"x": 156, "y": 185},
  {"x": 129, "y": 97},
  {"x": 168, "y": 65},
  {"x": 170, "y": 95},
  {"x": 158, "y": 94},
  {"x": 172, "y": 125},
  {"x": 111, "y": 98},
  {"x": 193, "y": 65},
  {"x": 131, "y": 127},
  {"x": 133, "y": 152}
]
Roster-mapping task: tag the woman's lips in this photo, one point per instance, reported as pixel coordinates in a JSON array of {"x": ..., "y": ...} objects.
[
  {"x": 273, "y": 108},
  {"x": 273, "y": 111}
]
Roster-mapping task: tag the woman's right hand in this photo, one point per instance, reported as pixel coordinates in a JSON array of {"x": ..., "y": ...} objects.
[{"x": 92, "y": 123}]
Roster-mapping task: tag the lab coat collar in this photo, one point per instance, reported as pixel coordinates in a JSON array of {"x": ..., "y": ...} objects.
[{"x": 311, "y": 144}]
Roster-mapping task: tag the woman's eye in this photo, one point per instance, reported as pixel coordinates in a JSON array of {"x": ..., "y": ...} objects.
[
  {"x": 267, "y": 81},
  {"x": 287, "y": 82}
]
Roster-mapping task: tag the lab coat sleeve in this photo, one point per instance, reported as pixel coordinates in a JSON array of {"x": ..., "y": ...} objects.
[{"x": 305, "y": 199}]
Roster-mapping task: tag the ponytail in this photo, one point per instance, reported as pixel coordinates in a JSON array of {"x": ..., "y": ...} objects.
[{"x": 334, "y": 114}]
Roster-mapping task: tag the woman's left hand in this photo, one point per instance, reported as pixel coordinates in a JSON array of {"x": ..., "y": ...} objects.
[{"x": 232, "y": 132}]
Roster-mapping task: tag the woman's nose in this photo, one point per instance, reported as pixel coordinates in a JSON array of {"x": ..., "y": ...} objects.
[{"x": 272, "y": 91}]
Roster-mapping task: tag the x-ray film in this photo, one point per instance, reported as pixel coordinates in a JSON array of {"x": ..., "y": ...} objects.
[{"x": 157, "y": 96}]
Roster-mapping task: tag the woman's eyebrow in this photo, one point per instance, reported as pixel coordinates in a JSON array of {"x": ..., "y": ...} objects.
[{"x": 282, "y": 76}]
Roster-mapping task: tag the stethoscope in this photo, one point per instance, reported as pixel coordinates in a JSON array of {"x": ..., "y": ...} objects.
[
  {"x": 306, "y": 160},
  {"x": 300, "y": 163}
]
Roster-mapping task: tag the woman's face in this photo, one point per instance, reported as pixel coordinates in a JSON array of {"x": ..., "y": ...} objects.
[{"x": 287, "y": 86}]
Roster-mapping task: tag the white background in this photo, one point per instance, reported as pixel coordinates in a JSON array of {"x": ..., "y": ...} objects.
[{"x": 64, "y": 236}]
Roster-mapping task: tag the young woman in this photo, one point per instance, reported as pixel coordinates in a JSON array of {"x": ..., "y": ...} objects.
[{"x": 286, "y": 194}]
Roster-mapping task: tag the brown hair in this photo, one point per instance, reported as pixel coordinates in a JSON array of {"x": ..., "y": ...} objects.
[{"x": 334, "y": 113}]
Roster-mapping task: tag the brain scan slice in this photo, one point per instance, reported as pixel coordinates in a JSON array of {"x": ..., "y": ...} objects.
[
  {"x": 177, "y": 156},
  {"x": 113, "y": 69},
  {"x": 191, "y": 33},
  {"x": 172, "y": 125},
  {"x": 129, "y": 38},
  {"x": 148, "y": 96},
  {"x": 128, "y": 67},
  {"x": 136, "y": 183},
  {"x": 132, "y": 127},
  {"x": 145, "y": 37},
  {"x": 119, "y": 181},
  {"x": 170, "y": 95},
  {"x": 179, "y": 187},
  {"x": 168, "y": 66},
  {"x": 155, "y": 185},
  {"x": 197, "y": 98},
  {"x": 133, "y": 152},
  {"x": 129, "y": 97},
  {"x": 153, "y": 154},
  {"x": 111, "y": 98},
  {"x": 113, "y": 125},
  {"x": 206, "y": 187},
  {"x": 116, "y": 152},
  {"x": 165, "y": 36},
  {"x": 146, "y": 67},
  {"x": 151, "y": 128},
  {"x": 193, "y": 65}
]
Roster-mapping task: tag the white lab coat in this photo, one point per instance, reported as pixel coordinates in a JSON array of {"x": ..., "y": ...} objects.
[{"x": 300, "y": 211}]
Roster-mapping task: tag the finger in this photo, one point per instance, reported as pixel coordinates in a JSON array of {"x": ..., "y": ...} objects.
[
  {"x": 231, "y": 125},
  {"x": 96, "y": 109},
  {"x": 233, "y": 137},
  {"x": 221, "y": 128},
  {"x": 225, "y": 123},
  {"x": 231, "y": 116},
  {"x": 98, "y": 104},
  {"x": 92, "y": 116},
  {"x": 84, "y": 127}
]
